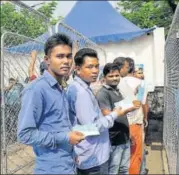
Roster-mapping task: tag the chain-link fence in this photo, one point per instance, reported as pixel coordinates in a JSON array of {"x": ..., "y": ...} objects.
[
  {"x": 82, "y": 40},
  {"x": 171, "y": 109},
  {"x": 16, "y": 158},
  {"x": 20, "y": 18},
  {"x": 17, "y": 44},
  {"x": 23, "y": 20}
]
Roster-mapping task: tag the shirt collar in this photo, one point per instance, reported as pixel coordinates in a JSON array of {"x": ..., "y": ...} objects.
[
  {"x": 110, "y": 88},
  {"x": 81, "y": 82},
  {"x": 50, "y": 79}
]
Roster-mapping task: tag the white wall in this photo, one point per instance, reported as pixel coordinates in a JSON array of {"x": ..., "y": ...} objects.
[{"x": 147, "y": 50}]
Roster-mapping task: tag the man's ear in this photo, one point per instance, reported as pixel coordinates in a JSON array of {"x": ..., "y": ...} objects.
[
  {"x": 46, "y": 59},
  {"x": 77, "y": 68}
]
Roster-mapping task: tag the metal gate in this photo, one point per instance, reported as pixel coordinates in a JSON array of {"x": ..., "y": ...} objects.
[{"x": 171, "y": 106}]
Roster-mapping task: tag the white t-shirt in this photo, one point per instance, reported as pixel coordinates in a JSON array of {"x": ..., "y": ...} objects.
[{"x": 128, "y": 87}]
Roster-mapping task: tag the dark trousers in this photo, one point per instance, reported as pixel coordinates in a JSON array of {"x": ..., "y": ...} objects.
[{"x": 102, "y": 169}]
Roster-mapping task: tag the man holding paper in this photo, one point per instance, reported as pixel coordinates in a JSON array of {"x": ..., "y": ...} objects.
[
  {"x": 92, "y": 154},
  {"x": 109, "y": 96},
  {"x": 44, "y": 117}
]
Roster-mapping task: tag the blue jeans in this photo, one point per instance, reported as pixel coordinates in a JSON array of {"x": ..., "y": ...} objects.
[
  {"x": 119, "y": 159},
  {"x": 102, "y": 169},
  {"x": 143, "y": 165}
]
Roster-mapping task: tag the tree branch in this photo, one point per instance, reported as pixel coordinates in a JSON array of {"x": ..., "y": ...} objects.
[{"x": 172, "y": 5}]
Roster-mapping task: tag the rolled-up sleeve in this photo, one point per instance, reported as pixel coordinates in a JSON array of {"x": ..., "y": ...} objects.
[{"x": 30, "y": 116}]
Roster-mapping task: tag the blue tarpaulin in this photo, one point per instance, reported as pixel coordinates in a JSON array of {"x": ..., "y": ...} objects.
[
  {"x": 101, "y": 23},
  {"x": 97, "y": 20}
]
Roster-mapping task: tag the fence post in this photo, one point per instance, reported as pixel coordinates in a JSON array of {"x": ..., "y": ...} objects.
[
  {"x": 4, "y": 156},
  {"x": 177, "y": 106}
]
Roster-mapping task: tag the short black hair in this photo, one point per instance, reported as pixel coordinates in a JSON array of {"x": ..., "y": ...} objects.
[
  {"x": 82, "y": 53},
  {"x": 120, "y": 61},
  {"x": 131, "y": 65},
  {"x": 55, "y": 40},
  {"x": 110, "y": 67}
]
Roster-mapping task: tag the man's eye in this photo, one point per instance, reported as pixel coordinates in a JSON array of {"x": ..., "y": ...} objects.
[
  {"x": 69, "y": 56},
  {"x": 60, "y": 56}
]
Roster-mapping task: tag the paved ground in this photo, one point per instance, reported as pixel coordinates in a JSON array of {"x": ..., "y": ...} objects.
[
  {"x": 156, "y": 159},
  {"x": 20, "y": 158},
  {"x": 155, "y": 162}
]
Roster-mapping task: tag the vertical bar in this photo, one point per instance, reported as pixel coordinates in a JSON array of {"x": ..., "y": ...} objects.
[
  {"x": 56, "y": 26},
  {"x": 177, "y": 100},
  {"x": 49, "y": 27},
  {"x": 177, "y": 168},
  {"x": 177, "y": 108},
  {"x": 4, "y": 156}
]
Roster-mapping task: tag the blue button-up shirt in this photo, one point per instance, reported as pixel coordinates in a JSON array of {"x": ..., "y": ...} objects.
[
  {"x": 84, "y": 109},
  {"x": 44, "y": 123}
]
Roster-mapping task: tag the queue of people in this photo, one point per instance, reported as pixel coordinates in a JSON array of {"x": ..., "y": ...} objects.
[{"x": 49, "y": 112}]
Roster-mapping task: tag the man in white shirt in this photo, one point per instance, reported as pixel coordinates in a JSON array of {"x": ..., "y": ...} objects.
[{"x": 129, "y": 86}]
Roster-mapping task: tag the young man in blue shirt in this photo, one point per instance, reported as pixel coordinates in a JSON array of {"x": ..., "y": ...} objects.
[
  {"x": 44, "y": 116},
  {"x": 92, "y": 154}
]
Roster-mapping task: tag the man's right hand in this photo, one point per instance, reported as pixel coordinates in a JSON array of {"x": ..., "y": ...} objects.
[
  {"x": 137, "y": 104},
  {"x": 76, "y": 137}
]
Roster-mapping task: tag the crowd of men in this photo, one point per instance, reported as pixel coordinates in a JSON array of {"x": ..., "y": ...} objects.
[{"x": 49, "y": 111}]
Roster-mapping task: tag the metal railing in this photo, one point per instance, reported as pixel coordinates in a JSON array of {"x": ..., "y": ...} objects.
[{"x": 171, "y": 91}]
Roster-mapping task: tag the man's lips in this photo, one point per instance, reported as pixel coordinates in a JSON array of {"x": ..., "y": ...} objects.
[
  {"x": 95, "y": 76},
  {"x": 65, "y": 68}
]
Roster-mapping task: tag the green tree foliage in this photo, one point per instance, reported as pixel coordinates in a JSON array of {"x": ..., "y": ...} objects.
[
  {"x": 22, "y": 21},
  {"x": 148, "y": 13},
  {"x": 48, "y": 10}
]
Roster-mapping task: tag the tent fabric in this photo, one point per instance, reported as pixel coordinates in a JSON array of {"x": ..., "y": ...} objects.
[
  {"x": 101, "y": 23},
  {"x": 97, "y": 20}
]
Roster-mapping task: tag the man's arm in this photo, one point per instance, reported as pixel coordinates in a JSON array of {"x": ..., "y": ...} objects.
[
  {"x": 145, "y": 106},
  {"x": 105, "y": 104},
  {"x": 30, "y": 115},
  {"x": 84, "y": 109},
  {"x": 32, "y": 63},
  {"x": 74, "y": 51}
]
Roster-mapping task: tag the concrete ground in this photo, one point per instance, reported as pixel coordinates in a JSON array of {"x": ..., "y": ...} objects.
[
  {"x": 156, "y": 158},
  {"x": 20, "y": 158},
  {"x": 156, "y": 163}
]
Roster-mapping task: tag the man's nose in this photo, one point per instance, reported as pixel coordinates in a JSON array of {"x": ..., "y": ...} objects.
[
  {"x": 95, "y": 70},
  {"x": 66, "y": 60}
]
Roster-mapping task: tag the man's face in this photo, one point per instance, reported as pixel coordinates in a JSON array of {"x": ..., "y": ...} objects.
[
  {"x": 124, "y": 70},
  {"x": 89, "y": 70},
  {"x": 60, "y": 60},
  {"x": 139, "y": 74},
  {"x": 112, "y": 78}
]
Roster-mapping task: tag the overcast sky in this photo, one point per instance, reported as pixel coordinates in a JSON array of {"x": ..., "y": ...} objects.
[{"x": 63, "y": 7}]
